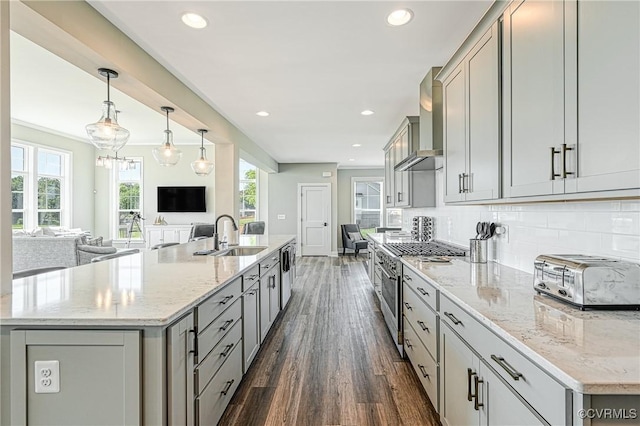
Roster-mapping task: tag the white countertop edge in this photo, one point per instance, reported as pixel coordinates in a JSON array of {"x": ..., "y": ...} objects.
[{"x": 555, "y": 372}]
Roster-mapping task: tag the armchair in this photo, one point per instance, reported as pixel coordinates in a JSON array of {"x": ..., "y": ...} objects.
[{"x": 352, "y": 239}]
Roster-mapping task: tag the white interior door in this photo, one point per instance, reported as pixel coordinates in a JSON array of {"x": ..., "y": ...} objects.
[{"x": 315, "y": 215}]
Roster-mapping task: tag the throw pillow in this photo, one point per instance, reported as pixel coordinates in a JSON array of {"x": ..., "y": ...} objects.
[
  {"x": 355, "y": 236},
  {"x": 94, "y": 241},
  {"x": 48, "y": 232}
]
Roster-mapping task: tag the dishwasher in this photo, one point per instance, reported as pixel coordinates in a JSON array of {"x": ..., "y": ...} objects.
[{"x": 287, "y": 259}]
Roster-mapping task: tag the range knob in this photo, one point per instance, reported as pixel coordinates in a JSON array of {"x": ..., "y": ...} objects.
[
  {"x": 542, "y": 285},
  {"x": 562, "y": 293}
]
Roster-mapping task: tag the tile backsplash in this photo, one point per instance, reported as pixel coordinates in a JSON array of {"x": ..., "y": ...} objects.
[{"x": 601, "y": 228}]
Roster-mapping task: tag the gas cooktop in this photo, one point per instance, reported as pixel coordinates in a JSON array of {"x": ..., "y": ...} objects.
[{"x": 430, "y": 248}]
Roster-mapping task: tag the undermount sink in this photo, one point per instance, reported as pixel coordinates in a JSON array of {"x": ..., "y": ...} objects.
[{"x": 241, "y": 251}]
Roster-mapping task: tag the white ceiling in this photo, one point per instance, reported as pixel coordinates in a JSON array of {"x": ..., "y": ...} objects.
[{"x": 314, "y": 65}]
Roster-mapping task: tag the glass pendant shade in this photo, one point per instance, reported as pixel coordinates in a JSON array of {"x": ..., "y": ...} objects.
[
  {"x": 202, "y": 166},
  {"x": 167, "y": 154},
  {"x": 106, "y": 133}
]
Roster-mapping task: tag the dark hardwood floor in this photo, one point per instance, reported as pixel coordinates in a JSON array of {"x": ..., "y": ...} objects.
[{"x": 329, "y": 360}]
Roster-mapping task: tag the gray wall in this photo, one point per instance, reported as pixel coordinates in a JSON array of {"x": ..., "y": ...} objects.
[
  {"x": 344, "y": 194},
  {"x": 283, "y": 195},
  {"x": 82, "y": 171},
  {"x": 155, "y": 175}
]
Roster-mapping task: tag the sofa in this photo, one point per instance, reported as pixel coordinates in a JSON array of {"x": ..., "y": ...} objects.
[{"x": 44, "y": 251}]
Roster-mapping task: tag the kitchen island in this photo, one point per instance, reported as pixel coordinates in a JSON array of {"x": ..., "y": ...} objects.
[
  {"x": 140, "y": 339},
  {"x": 552, "y": 357}
]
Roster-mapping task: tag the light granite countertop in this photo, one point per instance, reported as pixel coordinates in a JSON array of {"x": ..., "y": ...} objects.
[
  {"x": 591, "y": 352},
  {"x": 151, "y": 288}
]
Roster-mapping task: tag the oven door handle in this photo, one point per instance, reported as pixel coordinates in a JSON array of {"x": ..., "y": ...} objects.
[{"x": 384, "y": 271}]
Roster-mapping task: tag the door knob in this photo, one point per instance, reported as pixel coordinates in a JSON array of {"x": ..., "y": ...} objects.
[{"x": 325, "y": 224}]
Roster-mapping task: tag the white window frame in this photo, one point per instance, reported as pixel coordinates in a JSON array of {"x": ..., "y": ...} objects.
[
  {"x": 356, "y": 179},
  {"x": 115, "y": 200},
  {"x": 30, "y": 204},
  {"x": 241, "y": 180}
]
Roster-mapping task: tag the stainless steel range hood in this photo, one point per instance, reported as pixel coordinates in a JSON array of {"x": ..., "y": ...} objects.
[{"x": 422, "y": 157}]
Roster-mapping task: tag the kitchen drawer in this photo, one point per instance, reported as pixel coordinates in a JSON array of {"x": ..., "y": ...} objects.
[
  {"x": 543, "y": 393},
  {"x": 422, "y": 318},
  {"x": 210, "y": 336},
  {"x": 250, "y": 277},
  {"x": 469, "y": 329},
  {"x": 268, "y": 262},
  {"x": 426, "y": 291},
  {"x": 215, "y": 397},
  {"x": 211, "y": 308},
  {"x": 423, "y": 363},
  {"x": 212, "y": 362}
]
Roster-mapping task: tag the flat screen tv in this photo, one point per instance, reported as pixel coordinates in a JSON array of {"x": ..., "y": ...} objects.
[{"x": 181, "y": 199}]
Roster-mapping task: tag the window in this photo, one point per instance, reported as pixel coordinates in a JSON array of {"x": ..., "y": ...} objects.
[
  {"x": 39, "y": 190},
  {"x": 367, "y": 203},
  {"x": 128, "y": 184},
  {"x": 248, "y": 192}
]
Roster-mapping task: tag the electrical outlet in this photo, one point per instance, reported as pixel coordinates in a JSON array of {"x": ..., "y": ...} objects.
[
  {"x": 502, "y": 233},
  {"x": 47, "y": 376},
  {"x": 281, "y": 217}
]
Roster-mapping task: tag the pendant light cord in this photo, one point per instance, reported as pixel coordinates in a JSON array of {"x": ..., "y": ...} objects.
[
  {"x": 167, "y": 119},
  {"x": 108, "y": 87}
]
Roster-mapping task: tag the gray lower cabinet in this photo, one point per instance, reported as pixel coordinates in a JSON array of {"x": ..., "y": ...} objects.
[
  {"x": 265, "y": 312},
  {"x": 180, "y": 365},
  {"x": 250, "y": 324},
  {"x": 269, "y": 294},
  {"x": 473, "y": 394},
  {"x": 99, "y": 377}
]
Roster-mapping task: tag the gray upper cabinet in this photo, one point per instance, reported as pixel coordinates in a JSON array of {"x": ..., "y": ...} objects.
[
  {"x": 471, "y": 124},
  {"x": 608, "y": 154},
  {"x": 389, "y": 178},
  {"x": 534, "y": 101}
]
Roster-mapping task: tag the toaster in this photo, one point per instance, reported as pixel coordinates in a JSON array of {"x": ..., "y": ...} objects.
[{"x": 588, "y": 281}]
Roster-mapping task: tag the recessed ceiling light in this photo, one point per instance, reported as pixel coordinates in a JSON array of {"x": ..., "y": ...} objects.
[
  {"x": 262, "y": 113},
  {"x": 352, "y": 159},
  {"x": 194, "y": 20},
  {"x": 367, "y": 112},
  {"x": 356, "y": 145},
  {"x": 400, "y": 17}
]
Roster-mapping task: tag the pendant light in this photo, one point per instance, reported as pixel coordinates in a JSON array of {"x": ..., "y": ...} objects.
[
  {"x": 167, "y": 154},
  {"x": 202, "y": 166},
  {"x": 107, "y": 133}
]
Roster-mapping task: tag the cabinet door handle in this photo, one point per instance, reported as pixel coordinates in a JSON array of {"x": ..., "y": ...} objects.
[
  {"x": 408, "y": 343},
  {"x": 476, "y": 384},
  {"x": 407, "y": 277},
  {"x": 227, "y": 386},
  {"x": 409, "y": 307},
  {"x": 564, "y": 161},
  {"x": 470, "y": 374},
  {"x": 423, "y": 291},
  {"x": 226, "y": 299},
  {"x": 453, "y": 318},
  {"x": 399, "y": 196},
  {"x": 424, "y": 371},
  {"x": 466, "y": 183},
  {"x": 554, "y": 175},
  {"x": 194, "y": 343},
  {"x": 460, "y": 184},
  {"x": 227, "y": 349},
  {"x": 226, "y": 325},
  {"x": 515, "y": 374},
  {"x": 423, "y": 326},
  {"x": 388, "y": 199}
]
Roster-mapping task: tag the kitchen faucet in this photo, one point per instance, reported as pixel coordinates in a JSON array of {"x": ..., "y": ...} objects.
[{"x": 216, "y": 244}]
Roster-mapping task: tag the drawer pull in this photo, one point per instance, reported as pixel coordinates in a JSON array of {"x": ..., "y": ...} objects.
[
  {"x": 267, "y": 266},
  {"x": 226, "y": 299},
  {"x": 453, "y": 318},
  {"x": 227, "y": 349},
  {"x": 515, "y": 375},
  {"x": 409, "y": 307},
  {"x": 423, "y": 326},
  {"x": 228, "y": 386},
  {"x": 274, "y": 258},
  {"x": 423, "y": 291},
  {"x": 477, "y": 404},
  {"x": 408, "y": 343},
  {"x": 424, "y": 371},
  {"x": 252, "y": 277},
  {"x": 226, "y": 325},
  {"x": 407, "y": 277}
]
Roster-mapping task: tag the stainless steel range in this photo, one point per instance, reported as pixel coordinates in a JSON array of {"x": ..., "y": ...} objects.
[{"x": 388, "y": 257}]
